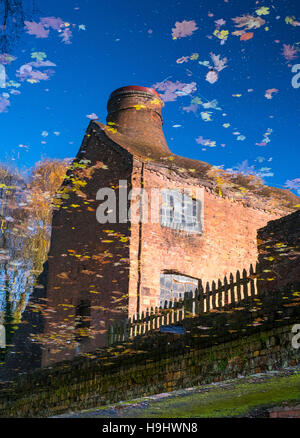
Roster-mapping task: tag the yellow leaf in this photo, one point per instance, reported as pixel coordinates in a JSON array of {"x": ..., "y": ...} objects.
[{"x": 138, "y": 107}]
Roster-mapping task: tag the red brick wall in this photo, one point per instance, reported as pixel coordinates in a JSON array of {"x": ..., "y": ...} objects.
[
  {"x": 228, "y": 242},
  {"x": 87, "y": 260},
  {"x": 115, "y": 266},
  {"x": 279, "y": 253}
]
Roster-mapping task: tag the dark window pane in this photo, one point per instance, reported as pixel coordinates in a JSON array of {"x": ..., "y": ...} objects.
[{"x": 82, "y": 320}]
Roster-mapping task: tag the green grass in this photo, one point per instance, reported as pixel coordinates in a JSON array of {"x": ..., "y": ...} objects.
[{"x": 216, "y": 401}]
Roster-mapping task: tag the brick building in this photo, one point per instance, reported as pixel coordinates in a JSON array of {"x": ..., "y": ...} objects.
[
  {"x": 279, "y": 253},
  {"x": 99, "y": 272}
]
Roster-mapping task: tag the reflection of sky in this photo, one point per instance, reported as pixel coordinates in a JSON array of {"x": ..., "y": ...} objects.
[
  {"x": 117, "y": 43},
  {"x": 15, "y": 279}
]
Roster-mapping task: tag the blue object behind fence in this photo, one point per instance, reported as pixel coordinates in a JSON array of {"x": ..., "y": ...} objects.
[{"x": 177, "y": 329}]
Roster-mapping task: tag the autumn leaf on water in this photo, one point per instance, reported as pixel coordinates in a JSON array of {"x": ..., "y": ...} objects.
[
  {"x": 183, "y": 29},
  {"x": 248, "y": 22},
  {"x": 269, "y": 93},
  {"x": 263, "y": 10},
  {"x": 212, "y": 76},
  {"x": 289, "y": 52},
  {"x": 219, "y": 64},
  {"x": 246, "y": 36},
  {"x": 292, "y": 21},
  {"x": 182, "y": 59}
]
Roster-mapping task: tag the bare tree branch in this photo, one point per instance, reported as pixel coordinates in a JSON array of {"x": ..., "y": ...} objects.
[{"x": 13, "y": 13}]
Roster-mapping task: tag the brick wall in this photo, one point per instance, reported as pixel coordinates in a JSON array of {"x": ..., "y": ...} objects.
[
  {"x": 228, "y": 242},
  {"x": 87, "y": 261},
  {"x": 216, "y": 347},
  {"x": 116, "y": 266},
  {"x": 279, "y": 252}
]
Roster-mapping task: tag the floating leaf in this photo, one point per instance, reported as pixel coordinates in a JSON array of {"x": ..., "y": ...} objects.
[{"x": 246, "y": 36}]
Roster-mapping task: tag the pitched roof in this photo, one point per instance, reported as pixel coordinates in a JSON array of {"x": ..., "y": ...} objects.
[{"x": 207, "y": 174}]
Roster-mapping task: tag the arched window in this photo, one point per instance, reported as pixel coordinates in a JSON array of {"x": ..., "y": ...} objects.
[{"x": 173, "y": 287}]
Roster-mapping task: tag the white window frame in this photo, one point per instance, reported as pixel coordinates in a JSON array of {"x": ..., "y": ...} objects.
[
  {"x": 174, "y": 286},
  {"x": 180, "y": 211}
]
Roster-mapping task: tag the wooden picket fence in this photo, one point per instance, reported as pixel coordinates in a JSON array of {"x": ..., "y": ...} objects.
[{"x": 213, "y": 296}]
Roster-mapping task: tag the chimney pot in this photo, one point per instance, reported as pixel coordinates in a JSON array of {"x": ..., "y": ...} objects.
[{"x": 136, "y": 113}]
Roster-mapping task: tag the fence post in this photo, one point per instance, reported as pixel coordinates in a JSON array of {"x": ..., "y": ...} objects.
[
  {"x": 257, "y": 272},
  {"x": 196, "y": 302},
  {"x": 165, "y": 313},
  {"x": 175, "y": 311},
  {"x": 232, "y": 297},
  {"x": 213, "y": 291},
  {"x": 142, "y": 323},
  {"x": 207, "y": 297},
  {"x": 245, "y": 283},
  {"x": 185, "y": 305},
  {"x": 220, "y": 293},
  {"x": 134, "y": 327},
  {"x": 147, "y": 321},
  {"x": 181, "y": 309},
  {"x": 156, "y": 318},
  {"x": 191, "y": 299},
  {"x": 238, "y": 286},
  {"x": 252, "y": 285},
  {"x": 226, "y": 290},
  {"x": 200, "y": 301},
  {"x": 151, "y": 319},
  {"x": 171, "y": 312},
  {"x": 194, "y": 296},
  {"x": 137, "y": 324},
  {"x": 160, "y": 316},
  {"x": 188, "y": 302}
]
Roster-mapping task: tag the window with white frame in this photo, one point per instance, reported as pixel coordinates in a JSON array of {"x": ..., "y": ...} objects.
[
  {"x": 174, "y": 286},
  {"x": 180, "y": 211}
]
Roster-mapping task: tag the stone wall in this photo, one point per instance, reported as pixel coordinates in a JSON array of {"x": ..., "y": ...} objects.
[{"x": 216, "y": 346}]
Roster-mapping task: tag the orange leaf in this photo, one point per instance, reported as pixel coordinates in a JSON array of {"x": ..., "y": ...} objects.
[{"x": 246, "y": 36}]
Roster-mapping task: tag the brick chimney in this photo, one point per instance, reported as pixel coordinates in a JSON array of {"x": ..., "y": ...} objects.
[{"x": 136, "y": 111}]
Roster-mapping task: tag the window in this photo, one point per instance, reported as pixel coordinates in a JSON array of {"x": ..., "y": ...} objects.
[
  {"x": 82, "y": 320},
  {"x": 180, "y": 211},
  {"x": 173, "y": 287}
]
